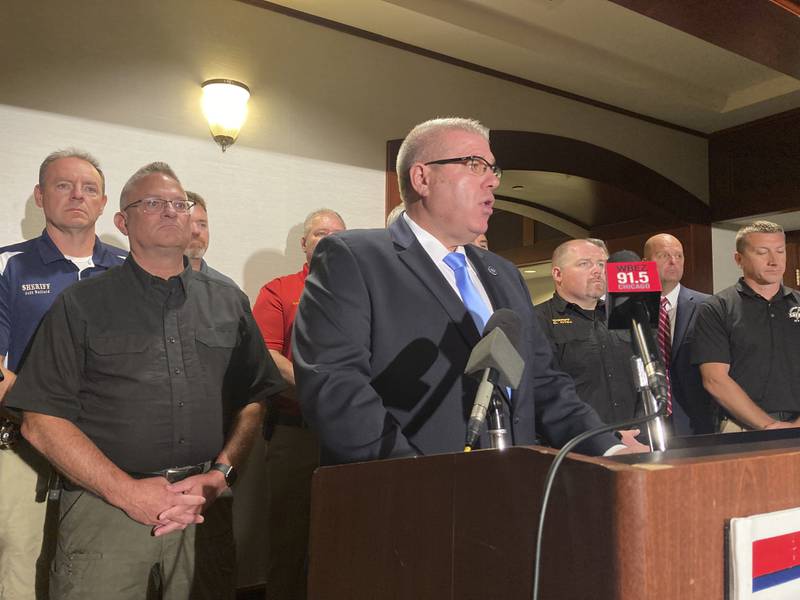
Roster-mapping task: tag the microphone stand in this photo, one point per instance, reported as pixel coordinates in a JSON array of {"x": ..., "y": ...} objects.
[
  {"x": 654, "y": 384},
  {"x": 655, "y": 427},
  {"x": 499, "y": 436}
]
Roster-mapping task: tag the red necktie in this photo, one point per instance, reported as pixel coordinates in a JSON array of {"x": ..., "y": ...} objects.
[{"x": 665, "y": 346}]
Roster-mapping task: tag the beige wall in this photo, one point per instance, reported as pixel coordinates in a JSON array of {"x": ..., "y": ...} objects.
[
  {"x": 723, "y": 245},
  {"x": 324, "y": 103},
  {"x": 541, "y": 289},
  {"x": 121, "y": 79}
]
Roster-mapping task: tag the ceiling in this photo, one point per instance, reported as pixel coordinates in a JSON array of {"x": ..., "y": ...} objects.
[
  {"x": 607, "y": 53},
  {"x": 699, "y": 66}
]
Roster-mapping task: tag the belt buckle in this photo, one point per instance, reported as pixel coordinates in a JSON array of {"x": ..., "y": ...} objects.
[{"x": 177, "y": 474}]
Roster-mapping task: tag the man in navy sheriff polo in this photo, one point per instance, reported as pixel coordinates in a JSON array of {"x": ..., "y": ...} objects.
[{"x": 71, "y": 193}]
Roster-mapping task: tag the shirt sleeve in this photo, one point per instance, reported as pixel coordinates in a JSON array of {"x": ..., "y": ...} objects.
[
  {"x": 49, "y": 379},
  {"x": 268, "y": 314},
  {"x": 711, "y": 341},
  {"x": 253, "y": 376}
]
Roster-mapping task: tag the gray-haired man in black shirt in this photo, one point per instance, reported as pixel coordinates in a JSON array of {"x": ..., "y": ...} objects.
[{"x": 145, "y": 388}]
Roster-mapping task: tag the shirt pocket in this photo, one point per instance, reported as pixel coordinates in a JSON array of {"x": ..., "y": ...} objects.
[
  {"x": 111, "y": 355},
  {"x": 217, "y": 338},
  {"x": 571, "y": 346},
  {"x": 215, "y": 347}
]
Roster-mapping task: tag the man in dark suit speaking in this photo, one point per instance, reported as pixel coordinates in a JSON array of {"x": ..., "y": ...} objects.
[{"x": 389, "y": 317}]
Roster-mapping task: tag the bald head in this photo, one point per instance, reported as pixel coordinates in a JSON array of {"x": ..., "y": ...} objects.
[{"x": 667, "y": 252}]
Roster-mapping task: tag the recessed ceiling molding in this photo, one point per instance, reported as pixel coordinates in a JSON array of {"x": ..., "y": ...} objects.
[{"x": 537, "y": 214}]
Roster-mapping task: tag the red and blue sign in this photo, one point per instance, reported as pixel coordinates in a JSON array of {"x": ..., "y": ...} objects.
[
  {"x": 776, "y": 561},
  {"x": 764, "y": 556}
]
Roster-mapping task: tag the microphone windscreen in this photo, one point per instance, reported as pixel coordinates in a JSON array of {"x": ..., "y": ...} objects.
[
  {"x": 624, "y": 256},
  {"x": 508, "y": 321}
]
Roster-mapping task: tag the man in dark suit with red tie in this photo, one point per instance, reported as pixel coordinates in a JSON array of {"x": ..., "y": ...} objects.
[
  {"x": 389, "y": 317},
  {"x": 693, "y": 409}
]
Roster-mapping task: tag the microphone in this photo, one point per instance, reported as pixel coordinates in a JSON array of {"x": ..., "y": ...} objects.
[
  {"x": 497, "y": 362},
  {"x": 633, "y": 301}
]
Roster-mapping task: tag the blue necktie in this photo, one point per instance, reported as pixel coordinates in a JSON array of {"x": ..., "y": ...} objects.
[{"x": 469, "y": 293}]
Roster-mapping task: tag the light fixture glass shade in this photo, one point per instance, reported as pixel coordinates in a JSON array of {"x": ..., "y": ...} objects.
[{"x": 225, "y": 109}]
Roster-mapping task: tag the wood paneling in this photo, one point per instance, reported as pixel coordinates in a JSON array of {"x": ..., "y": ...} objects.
[
  {"x": 792, "y": 275},
  {"x": 463, "y": 526},
  {"x": 664, "y": 199},
  {"x": 696, "y": 240},
  {"x": 755, "y": 168},
  {"x": 765, "y": 31}
]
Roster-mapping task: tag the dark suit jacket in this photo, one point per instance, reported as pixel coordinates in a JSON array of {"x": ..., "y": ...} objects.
[
  {"x": 380, "y": 345},
  {"x": 694, "y": 410}
]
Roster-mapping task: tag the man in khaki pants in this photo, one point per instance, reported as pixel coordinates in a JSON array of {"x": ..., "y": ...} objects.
[
  {"x": 144, "y": 387},
  {"x": 71, "y": 193},
  {"x": 747, "y": 337}
]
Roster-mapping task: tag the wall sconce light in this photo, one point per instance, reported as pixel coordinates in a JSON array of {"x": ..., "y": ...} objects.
[{"x": 225, "y": 109}]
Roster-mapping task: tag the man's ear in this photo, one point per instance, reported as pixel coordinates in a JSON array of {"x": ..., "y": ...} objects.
[
  {"x": 556, "y": 274},
  {"x": 37, "y": 195},
  {"x": 420, "y": 179},
  {"x": 121, "y": 223}
]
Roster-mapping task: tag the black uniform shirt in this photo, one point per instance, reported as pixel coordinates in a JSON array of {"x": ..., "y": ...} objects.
[
  {"x": 151, "y": 370},
  {"x": 758, "y": 338},
  {"x": 598, "y": 360}
]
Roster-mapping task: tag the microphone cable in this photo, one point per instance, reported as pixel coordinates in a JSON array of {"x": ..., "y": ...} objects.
[{"x": 554, "y": 466}]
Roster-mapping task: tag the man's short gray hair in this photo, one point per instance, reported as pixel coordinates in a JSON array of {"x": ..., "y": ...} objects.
[
  {"x": 70, "y": 153},
  {"x": 318, "y": 213},
  {"x": 149, "y": 169},
  {"x": 197, "y": 199},
  {"x": 417, "y": 147},
  {"x": 755, "y": 227},
  {"x": 563, "y": 248}
]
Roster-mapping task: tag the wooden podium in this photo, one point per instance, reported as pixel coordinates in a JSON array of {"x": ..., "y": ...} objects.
[{"x": 463, "y": 526}]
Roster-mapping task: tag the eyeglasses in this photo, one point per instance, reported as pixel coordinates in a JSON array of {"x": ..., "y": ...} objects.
[
  {"x": 159, "y": 205},
  {"x": 476, "y": 164}
]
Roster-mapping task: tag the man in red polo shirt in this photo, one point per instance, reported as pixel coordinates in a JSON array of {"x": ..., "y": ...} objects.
[{"x": 292, "y": 449}]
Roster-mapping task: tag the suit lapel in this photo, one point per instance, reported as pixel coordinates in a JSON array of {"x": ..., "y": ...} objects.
[
  {"x": 413, "y": 255},
  {"x": 686, "y": 307},
  {"x": 489, "y": 276}
]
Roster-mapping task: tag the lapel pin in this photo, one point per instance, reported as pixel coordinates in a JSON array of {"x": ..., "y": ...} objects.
[{"x": 492, "y": 270}]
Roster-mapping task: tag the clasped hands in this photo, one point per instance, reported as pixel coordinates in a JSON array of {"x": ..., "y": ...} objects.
[{"x": 168, "y": 506}]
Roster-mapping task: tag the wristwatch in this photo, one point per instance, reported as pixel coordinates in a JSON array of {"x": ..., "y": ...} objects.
[{"x": 228, "y": 471}]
